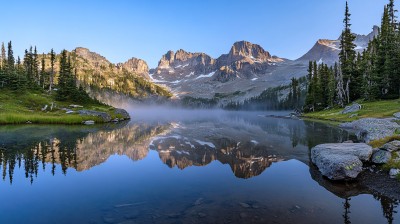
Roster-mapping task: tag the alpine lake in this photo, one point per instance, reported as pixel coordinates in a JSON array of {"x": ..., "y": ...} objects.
[{"x": 179, "y": 167}]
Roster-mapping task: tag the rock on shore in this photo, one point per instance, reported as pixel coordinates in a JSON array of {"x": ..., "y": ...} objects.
[
  {"x": 341, "y": 161},
  {"x": 105, "y": 116},
  {"x": 369, "y": 129}
]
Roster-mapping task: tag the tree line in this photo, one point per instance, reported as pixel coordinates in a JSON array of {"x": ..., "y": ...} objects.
[
  {"x": 370, "y": 75},
  {"x": 31, "y": 74},
  {"x": 284, "y": 97}
]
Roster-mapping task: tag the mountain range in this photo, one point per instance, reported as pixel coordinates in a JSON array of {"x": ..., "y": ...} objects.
[{"x": 245, "y": 71}]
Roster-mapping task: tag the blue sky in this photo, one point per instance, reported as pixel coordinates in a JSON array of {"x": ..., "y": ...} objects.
[{"x": 121, "y": 29}]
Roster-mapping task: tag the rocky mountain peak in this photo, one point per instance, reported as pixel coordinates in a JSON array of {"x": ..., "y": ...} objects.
[
  {"x": 91, "y": 56},
  {"x": 137, "y": 66},
  {"x": 247, "y": 49},
  {"x": 167, "y": 59}
]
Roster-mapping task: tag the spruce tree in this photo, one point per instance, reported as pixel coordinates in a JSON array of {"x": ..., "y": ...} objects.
[
  {"x": 347, "y": 56},
  {"x": 52, "y": 62},
  {"x": 3, "y": 61},
  {"x": 35, "y": 64},
  {"x": 42, "y": 71}
]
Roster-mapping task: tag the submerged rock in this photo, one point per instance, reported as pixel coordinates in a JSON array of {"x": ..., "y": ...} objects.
[
  {"x": 381, "y": 157},
  {"x": 369, "y": 129},
  {"x": 340, "y": 161},
  {"x": 351, "y": 109}
]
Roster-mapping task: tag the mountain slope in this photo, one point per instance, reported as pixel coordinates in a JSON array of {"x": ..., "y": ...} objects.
[
  {"x": 327, "y": 51},
  {"x": 95, "y": 72},
  {"x": 243, "y": 72}
]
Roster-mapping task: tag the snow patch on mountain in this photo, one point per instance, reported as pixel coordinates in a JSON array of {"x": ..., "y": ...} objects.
[{"x": 206, "y": 76}]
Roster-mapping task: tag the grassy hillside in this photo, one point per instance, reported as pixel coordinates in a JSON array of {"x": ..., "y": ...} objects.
[
  {"x": 378, "y": 109},
  {"x": 20, "y": 108}
]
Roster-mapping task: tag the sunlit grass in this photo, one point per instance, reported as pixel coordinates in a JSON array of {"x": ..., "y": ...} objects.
[
  {"x": 378, "y": 109},
  {"x": 26, "y": 107}
]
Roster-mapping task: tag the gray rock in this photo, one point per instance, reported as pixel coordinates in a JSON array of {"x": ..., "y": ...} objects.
[
  {"x": 88, "y": 122},
  {"x": 340, "y": 161},
  {"x": 397, "y": 115},
  {"x": 106, "y": 117},
  {"x": 122, "y": 112},
  {"x": 75, "y": 106},
  {"x": 348, "y": 141},
  {"x": 353, "y": 115},
  {"x": 381, "y": 157},
  {"x": 69, "y": 112},
  {"x": 394, "y": 172},
  {"x": 392, "y": 146},
  {"x": 369, "y": 129},
  {"x": 351, "y": 109}
]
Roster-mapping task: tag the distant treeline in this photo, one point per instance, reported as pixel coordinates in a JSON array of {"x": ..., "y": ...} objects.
[{"x": 285, "y": 97}]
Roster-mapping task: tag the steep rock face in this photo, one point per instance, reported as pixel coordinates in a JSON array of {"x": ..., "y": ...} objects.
[
  {"x": 201, "y": 76},
  {"x": 244, "y": 60},
  {"x": 174, "y": 67},
  {"x": 137, "y": 66}
]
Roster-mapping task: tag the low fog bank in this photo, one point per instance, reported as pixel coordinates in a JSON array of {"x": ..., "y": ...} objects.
[{"x": 171, "y": 113}]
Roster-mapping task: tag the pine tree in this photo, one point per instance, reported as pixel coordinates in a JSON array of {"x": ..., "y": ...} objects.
[
  {"x": 332, "y": 86},
  {"x": 347, "y": 56},
  {"x": 42, "y": 71},
  {"x": 35, "y": 64},
  {"x": 3, "y": 61},
  {"x": 52, "y": 62},
  {"x": 10, "y": 58}
]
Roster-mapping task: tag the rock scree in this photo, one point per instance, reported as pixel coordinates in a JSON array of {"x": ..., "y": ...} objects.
[{"x": 341, "y": 161}]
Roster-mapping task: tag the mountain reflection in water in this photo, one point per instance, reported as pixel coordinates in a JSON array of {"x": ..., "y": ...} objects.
[
  {"x": 249, "y": 147},
  {"x": 249, "y": 144}
]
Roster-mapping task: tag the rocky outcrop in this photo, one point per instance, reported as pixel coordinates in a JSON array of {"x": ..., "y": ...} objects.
[
  {"x": 136, "y": 66},
  {"x": 123, "y": 113},
  {"x": 369, "y": 129},
  {"x": 341, "y": 161},
  {"x": 106, "y": 117},
  {"x": 103, "y": 115},
  {"x": 351, "y": 109}
]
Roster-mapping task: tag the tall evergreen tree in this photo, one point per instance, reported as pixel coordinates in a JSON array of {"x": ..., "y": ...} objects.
[
  {"x": 52, "y": 62},
  {"x": 347, "y": 55},
  {"x": 42, "y": 71},
  {"x": 35, "y": 64},
  {"x": 3, "y": 61}
]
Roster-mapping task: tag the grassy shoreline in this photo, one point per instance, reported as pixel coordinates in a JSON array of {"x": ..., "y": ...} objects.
[
  {"x": 30, "y": 108},
  {"x": 377, "y": 109}
]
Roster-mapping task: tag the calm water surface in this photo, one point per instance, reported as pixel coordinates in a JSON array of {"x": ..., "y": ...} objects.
[{"x": 182, "y": 167}]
